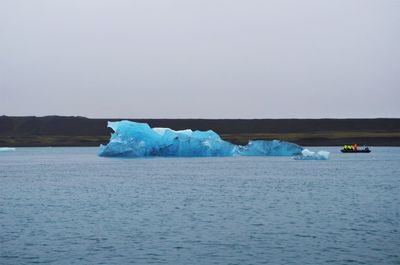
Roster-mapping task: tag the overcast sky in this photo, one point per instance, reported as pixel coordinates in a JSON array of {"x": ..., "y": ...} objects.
[{"x": 200, "y": 59}]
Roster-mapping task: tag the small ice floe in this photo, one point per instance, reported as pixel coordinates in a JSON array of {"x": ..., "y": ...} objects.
[
  {"x": 310, "y": 155},
  {"x": 6, "y": 149}
]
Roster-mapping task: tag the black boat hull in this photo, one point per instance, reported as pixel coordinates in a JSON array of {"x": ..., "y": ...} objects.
[{"x": 353, "y": 151}]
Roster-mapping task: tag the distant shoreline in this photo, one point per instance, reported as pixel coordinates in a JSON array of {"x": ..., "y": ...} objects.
[{"x": 80, "y": 131}]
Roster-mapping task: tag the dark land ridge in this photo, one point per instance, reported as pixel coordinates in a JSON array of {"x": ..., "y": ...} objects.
[{"x": 80, "y": 131}]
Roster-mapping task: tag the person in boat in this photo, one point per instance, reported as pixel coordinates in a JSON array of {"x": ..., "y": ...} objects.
[{"x": 347, "y": 147}]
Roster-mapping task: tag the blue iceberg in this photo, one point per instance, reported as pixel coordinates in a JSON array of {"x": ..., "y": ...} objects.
[{"x": 133, "y": 139}]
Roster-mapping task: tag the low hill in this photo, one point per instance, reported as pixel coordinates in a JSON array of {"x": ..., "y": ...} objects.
[{"x": 81, "y": 131}]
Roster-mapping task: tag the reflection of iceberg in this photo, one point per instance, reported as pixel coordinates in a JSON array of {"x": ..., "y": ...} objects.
[
  {"x": 132, "y": 139},
  {"x": 310, "y": 155},
  {"x": 6, "y": 149}
]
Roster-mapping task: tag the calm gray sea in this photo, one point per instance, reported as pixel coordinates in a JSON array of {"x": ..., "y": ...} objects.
[{"x": 68, "y": 206}]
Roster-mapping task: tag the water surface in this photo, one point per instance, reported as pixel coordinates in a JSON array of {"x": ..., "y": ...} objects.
[{"x": 68, "y": 206}]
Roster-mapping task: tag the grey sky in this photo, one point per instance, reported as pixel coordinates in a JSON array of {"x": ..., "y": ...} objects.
[{"x": 200, "y": 59}]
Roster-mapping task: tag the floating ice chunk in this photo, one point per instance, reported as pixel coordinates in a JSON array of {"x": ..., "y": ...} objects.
[
  {"x": 310, "y": 155},
  {"x": 7, "y": 149},
  {"x": 133, "y": 139}
]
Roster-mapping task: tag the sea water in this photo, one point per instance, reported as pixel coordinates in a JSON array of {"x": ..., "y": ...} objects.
[{"x": 69, "y": 206}]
